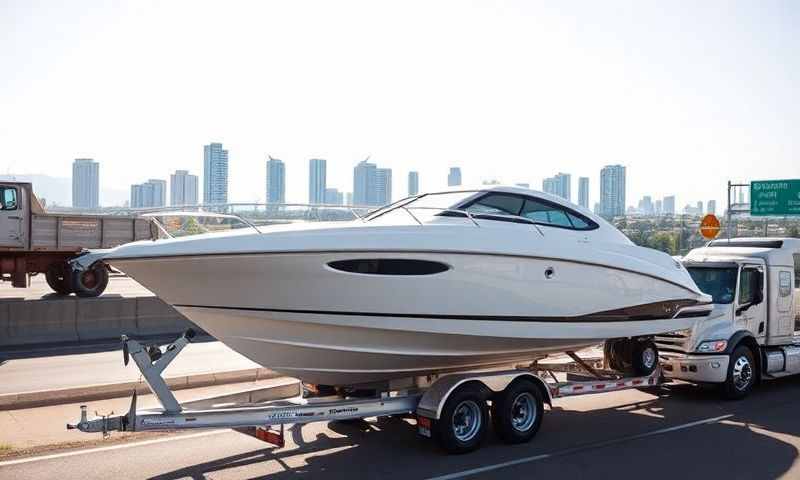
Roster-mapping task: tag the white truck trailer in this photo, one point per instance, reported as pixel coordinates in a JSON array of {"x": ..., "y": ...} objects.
[
  {"x": 753, "y": 333},
  {"x": 33, "y": 241}
]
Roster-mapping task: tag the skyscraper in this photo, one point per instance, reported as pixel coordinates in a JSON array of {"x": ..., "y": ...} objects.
[
  {"x": 583, "y": 192},
  {"x": 711, "y": 207},
  {"x": 364, "y": 181},
  {"x": 333, "y": 196},
  {"x": 612, "y": 191},
  {"x": 182, "y": 188},
  {"x": 659, "y": 208},
  {"x": 85, "y": 183},
  {"x": 152, "y": 193},
  {"x": 413, "y": 183},
  {"x": 383, "y": 186},
  {"x": 646, "y": 206},
  {"x": 669, "y": 205},
  {"x": 317, "y": 181},
  {"x": 558, "y": 185},
  {"x": 276, "y": 181},
  {"x": 215, "y": 174},
  {"x": 454, "y": 177},
  {"x": 700, "y": 207}
]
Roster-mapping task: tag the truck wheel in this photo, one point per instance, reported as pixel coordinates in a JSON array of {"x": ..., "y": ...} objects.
[
  {"x": 644, "y": 359},
  {"x": 57, "y": 278},
  {"x": 517, "y": 412},
  {"x": 462, "y": 425},
  {"x": 742, "y": 374},
  {"x": 90, "y": 282}
]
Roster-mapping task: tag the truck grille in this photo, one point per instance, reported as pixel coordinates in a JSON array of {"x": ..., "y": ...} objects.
[{"x": 676, "y": 342}]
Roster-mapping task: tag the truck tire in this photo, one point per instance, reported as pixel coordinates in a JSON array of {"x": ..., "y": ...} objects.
[
  {"x": 517, "y": 412},
  {"x": 90, "y": 282},
  {"x": 462, "y": 425},
  {"x": 742, "y": 374},
  {"x": 644, "y": 359},
  {"x": 57, "y": 278}
]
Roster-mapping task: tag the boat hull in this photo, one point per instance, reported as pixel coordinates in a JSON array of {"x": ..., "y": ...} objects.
[{"x": 295, "y": 314}]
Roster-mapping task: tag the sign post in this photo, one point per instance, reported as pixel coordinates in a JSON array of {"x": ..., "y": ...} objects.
[{"x": 775, "y": 198}]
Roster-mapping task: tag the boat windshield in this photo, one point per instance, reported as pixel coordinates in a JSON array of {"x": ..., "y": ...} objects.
[
  {"x": 428, "y": 201},
  {"x": 719, "y": 282}
]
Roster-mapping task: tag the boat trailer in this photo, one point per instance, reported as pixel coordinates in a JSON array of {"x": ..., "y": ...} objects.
[{"x": 443, "y": 405}]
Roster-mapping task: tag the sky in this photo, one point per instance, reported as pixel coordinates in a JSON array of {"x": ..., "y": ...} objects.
[{"x": 685, "y": 94}]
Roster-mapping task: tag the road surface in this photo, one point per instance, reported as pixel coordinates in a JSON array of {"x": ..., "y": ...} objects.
[
  {"x": 118, "y": 285},
  {"x": 681, "y": 433}
]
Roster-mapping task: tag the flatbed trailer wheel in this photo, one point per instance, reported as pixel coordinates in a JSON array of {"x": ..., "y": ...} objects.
[
  {"x": 463, "y": 423},
  {"x": 517, "y": 412},
  {"x": 90, "y": 282},
  {"x": 644, "y": 359},
  {"x": 58, "y": 279}
]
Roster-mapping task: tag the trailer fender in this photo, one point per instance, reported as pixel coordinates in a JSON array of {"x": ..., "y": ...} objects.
[{"x": 434, "y": 398}]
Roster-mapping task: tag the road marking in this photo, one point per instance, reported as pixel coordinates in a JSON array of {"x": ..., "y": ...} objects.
[
  {"x": 111, "y": 447},
  {"x": 605, "y": 443}
]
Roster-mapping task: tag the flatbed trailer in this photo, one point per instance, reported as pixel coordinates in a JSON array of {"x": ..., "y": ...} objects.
[{"x": 452, "y": 408}]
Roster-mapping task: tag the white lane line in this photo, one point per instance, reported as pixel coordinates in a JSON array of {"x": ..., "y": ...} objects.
[
  {"x": 111, "y": 447},
  {"x": 544, "y": 456}
]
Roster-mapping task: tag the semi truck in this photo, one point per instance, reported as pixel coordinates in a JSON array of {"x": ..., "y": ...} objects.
[
  {"x": 33, "y": 241},
  {"x": 753, "y": 332}
]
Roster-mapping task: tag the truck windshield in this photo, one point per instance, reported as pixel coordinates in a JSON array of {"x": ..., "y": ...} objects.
[{"x": 720, "y": 283}]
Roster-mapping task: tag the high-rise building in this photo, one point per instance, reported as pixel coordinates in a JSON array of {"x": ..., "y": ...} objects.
[
  {"x": 276, "y": 181},
  {"x": 699, "y": 208},
  {"x": 215, "y": 174},
  {"x": 85, "y": 183},
  {"x": 150, "y": 194},
  {"x": 646, "y": 206},
  {"x": 612, "y": 191},
  {"x": 317, "y": 181},
  {"x": 383, "y": 186},
  {"x": 558, "y": 185},
  {"x": 669, "y": 205},
  {"x": 348, "y": 198},
  {"x": 413, "y": 183},
  {"x": 182, "y": 188},
  {"x": 333, "y": 196},
  {"x": 583, "y": 192},
  {"x": 711, "y": 207},
  {"x": 364, "y": 181},
  {"x": 454, "y": 177},
  {"x": 659, "y": 208}
]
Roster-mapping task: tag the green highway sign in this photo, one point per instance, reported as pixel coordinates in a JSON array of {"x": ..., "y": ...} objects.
[{"x": 775, "y": 197}]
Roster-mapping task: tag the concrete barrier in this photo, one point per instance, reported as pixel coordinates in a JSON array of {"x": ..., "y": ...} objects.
[
  {"x": 154, "y": 317},
  {"x": 72, "y": 320},
  {"x": 38, "y": 322},
  {"x": 103, "y": 318}
]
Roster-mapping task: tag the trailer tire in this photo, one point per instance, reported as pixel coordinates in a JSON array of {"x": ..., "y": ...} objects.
[
  {"x": 613, "y": 352},
  {"x": 462, "y": 425},
  {"x": 644, "y": 358},
  {"x": 517, "y": 412},
  {"x": 742, "y": 374},
  {"x": 90, "y": 282},
  {"x": 58, "y": 279}
]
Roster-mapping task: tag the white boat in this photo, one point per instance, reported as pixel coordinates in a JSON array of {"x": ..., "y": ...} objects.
[{"x": 433, "y": 283}]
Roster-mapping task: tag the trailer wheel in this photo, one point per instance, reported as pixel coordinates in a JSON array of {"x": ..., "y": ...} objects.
[
  {"x": 644, "y": 359},
  {"x": 58, "y": 279},
  {"x": 613, "y": 353},
  {"x": 517, "y": 412},
  {"x": 90, "y": 282},
  {"x": 462, "y": 425},
  {"x": 741, "y": 374}
]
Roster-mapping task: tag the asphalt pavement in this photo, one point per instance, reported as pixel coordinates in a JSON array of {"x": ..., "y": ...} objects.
[
  {"x": 678, "y": 432},
  {"x": 118, "y": 285}
]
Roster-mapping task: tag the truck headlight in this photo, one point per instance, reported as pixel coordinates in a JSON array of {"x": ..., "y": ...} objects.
[{"x": 712, "y": 346}]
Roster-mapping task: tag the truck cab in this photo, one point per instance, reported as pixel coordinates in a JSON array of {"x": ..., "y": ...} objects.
[{"x": 753, "y": 332}]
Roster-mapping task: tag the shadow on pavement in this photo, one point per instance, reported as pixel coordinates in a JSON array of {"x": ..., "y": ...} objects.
[{"x": 752, "y": 443}]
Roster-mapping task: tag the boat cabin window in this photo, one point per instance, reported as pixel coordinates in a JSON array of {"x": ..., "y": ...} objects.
[
  {"x": 537, "y": 210},
  {"x": 8, "y": 198},
  {"x": 389, "y": 266}
]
